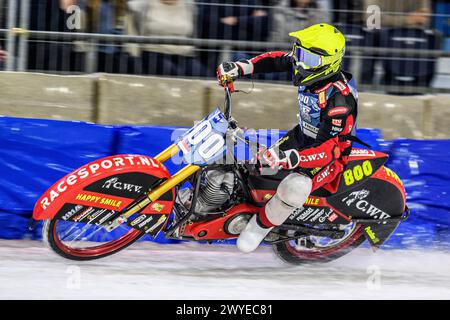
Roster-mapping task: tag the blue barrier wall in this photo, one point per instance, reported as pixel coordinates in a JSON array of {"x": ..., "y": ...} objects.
[
  {"x": 35, "y": 153},
  {"x": 423, "y": 165}
]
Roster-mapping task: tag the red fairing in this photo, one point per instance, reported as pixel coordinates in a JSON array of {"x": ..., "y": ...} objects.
[
  {"x": 320, "y": 156},
  {"x": 66, "y": 189},
  {"x": 214, "y": 229},
  {"x": 268, "y": 55},
  {"x": 387, "y": 174},
  {"x": 262, "y": 196}
]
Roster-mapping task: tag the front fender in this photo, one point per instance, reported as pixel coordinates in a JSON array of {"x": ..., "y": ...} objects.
[{"x": 109, "y": 183}]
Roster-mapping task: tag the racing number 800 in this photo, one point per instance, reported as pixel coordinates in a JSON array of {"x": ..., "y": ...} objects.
[{"x": 357, "y": 173}]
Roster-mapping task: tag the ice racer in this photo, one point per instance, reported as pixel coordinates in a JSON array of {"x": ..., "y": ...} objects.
[{"x": 317, "y": 149}]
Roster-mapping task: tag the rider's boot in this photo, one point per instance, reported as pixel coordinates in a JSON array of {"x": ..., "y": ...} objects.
[{"x": 291, "y": 194}]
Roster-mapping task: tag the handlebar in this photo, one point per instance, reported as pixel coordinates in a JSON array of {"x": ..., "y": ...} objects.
[{"x": 228, "y": 85}]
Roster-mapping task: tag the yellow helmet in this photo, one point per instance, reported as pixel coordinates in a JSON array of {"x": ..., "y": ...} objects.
[{"x": 317, "y": 53}]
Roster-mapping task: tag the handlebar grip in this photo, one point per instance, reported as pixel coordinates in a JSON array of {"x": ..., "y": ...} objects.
[
  {"x": 227, "y": 82},
  {"x": 230, "y": 86}
]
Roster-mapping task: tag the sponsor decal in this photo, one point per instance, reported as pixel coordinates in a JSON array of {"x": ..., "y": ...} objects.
[
  {"x": 312, "y": 214},
  {"x": 336, "y": 122},
  {"x": 84, "y": 214},
  {"x": 312, "y": 201},
  {"x": 184, "y": 146},
  {"x": 310, "y": 127},
  {"x": 324, "y": 88},
  {"x": 98, "y": 200},
  {"x": 371, "y": 234},
  {"x": 143, "y": 221},
  {"x": 356, "y": 198},
  {"x": 160, "y": 221},
  {"x": 336, "y": 129},
  {"x": 356, "y": 195},
  {"x": 315, "y": 170},
  {"x": 279, "y": 142},
  {"x": 106, "y": 217},
  {"x": 324, "y": 174},
  {"x": 139, "y": 219},
  {"x": 313, "y": 157},
  {"x": 97, "y": 214},
  {"x": 337, "y": 110},
  {"x": 357, "y": 173},
  {"x": 91, "y": 169},
  {"x": 72, "y": 212},
  {"x": 322, "y": 99},
  {"x": 332, "y": 217},
  {"x": 268, "y": 196},
  {"x": 115, "y": 183},
  {"x": 392, "y": 174},
  {"x": 157, "y": 207},
  {"x": 306, "y": 116},
  {"x": 344, "y": 89},
  {"x": 362, "y": 153},
  {"x": 218, "y": 117}
]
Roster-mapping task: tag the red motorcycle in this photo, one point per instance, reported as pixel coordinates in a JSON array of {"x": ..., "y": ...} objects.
[{"x": 108, "y": 204}]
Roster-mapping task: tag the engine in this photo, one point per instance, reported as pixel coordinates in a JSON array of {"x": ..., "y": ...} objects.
[{"x": 216, "y": 188}]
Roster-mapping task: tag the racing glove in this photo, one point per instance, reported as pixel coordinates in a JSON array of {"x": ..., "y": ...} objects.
[
  {"x": 233, "y": 70},
  {"x": 276, "y": 158}
]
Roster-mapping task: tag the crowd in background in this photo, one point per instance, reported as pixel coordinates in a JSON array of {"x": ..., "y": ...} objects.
[{"x": 243, "y": 20}]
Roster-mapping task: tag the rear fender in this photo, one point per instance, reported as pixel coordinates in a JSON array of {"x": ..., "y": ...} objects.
[
  {"x": 362, "y": 164},
  {"x": 379, "y": 205},
  {"x": 379, "y": 232},
  {"x": 109, "y": 183}
]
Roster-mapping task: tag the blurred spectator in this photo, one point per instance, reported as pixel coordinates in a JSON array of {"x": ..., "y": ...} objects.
[
  {"x": 3, "y": 55},
  {"x": 291, "y": 15},
  {"x": 48, "y": 15},
  {"x": 3, "y": 14},
  {"x": 164, "y": 18},
  {"x": 410, "y": 13},
  {"x": 106, "y": 17},
  {"x": 245, "y": 20},
  {"x": 348, "y": 12},
  {"x": 234, "y": 19},
  {"x": 3, "y": 25}
]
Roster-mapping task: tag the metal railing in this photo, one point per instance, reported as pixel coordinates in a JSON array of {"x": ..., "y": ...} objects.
[{"x": 52, "y": 46}]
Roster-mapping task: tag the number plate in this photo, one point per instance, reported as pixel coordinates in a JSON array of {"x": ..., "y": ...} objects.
[{"x": 205, "y": 142}]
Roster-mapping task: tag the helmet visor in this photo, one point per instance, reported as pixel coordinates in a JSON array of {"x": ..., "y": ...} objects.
[{"x": 305, "y": 58}]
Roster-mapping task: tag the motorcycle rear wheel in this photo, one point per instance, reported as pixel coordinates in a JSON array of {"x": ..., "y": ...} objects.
[{"x": 298, "y": 255}]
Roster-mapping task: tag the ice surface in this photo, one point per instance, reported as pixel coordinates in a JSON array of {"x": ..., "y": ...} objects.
[{"x": 29, "y": 270}]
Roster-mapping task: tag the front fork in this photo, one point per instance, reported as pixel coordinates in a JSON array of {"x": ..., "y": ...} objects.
[{"x": 154, "y": 193}]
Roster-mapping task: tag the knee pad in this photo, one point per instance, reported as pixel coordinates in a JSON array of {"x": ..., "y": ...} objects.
[
  {"x": 294, "y": 189},
  {"x": 291, "y": 193}
]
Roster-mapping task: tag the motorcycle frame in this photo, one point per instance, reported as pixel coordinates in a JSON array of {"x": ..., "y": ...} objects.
[{"x": 184, "y": 173}]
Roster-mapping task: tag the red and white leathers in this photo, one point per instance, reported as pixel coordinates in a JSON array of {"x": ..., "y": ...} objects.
[{"x": 316, "y": 150}]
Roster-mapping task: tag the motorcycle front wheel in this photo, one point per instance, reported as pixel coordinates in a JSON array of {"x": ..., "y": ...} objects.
[{"x": 82, "y": 241}]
